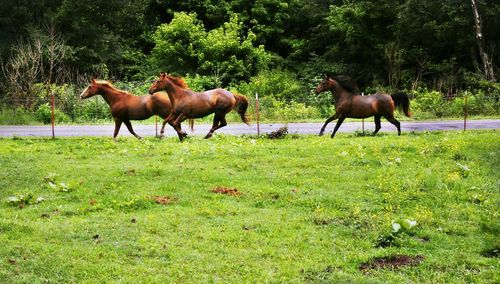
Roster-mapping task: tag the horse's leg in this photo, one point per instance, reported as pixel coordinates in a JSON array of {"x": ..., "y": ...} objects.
[
  {"x": 164, "y": 123},
  {"x": 335, "y": 116},
  {"x": 163, "y": 127},
  {"x": 177, "y": 126},
  {"x": 377, "y": 124},
  {"x": 118, "y": 123},
  {"x": 339, "y": 122},
  {"x": 130, "y": 129},
  {"x": 395, "y": 122},
  {"x": 170, "y": 120},
  {"x": 215, "y": 126}
]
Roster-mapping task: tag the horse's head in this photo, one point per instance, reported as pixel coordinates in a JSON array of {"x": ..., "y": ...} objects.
[
  {"x": 327, "y": 84},
  {"x": 159, "y": 85},
  {"x": 91, "y": 90}
]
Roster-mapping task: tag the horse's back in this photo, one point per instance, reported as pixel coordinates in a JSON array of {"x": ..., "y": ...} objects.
[
  {"x": 160, "y": 104},
  {"x": 220, "y": 99}
]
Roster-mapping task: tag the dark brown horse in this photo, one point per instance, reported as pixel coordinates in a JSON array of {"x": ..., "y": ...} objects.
[
  {"x": 189, "y": 104},
  {"x": 125, "y": 106},
  {"x": 348, "y": 103}
]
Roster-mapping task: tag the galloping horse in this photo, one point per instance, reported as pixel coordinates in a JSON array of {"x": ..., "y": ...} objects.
[
  {"x": 348, "y": 103},
  {"x": 189, "y": 104},
  {"x": 125, "y": 106}
]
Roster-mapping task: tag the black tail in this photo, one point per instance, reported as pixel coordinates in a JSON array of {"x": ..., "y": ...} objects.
[{"x": 402, "y": 102}]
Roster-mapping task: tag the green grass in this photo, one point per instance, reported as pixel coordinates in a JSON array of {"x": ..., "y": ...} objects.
[{"x": 311, "y": 208}]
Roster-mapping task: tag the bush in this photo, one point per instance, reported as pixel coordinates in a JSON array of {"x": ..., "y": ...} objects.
[
  {"x": 18, "y": 116},
  {"x": 281, "y": 85},
  {"x": 273, "y": 109},
  {"x": 92, "y": 110},
  {"x": 429, "y": 102},
  {"x": 44, "y": 114}
]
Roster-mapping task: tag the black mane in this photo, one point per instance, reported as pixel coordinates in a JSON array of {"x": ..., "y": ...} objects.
[{"x": 347, "y": 83}]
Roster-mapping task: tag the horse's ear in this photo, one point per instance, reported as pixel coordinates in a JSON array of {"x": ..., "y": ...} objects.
[
  {"x": 93, "y": 80},
  {"x": 162, "y": 75}
]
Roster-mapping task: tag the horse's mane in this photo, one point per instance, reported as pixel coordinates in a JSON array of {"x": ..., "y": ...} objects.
[
  {"x": 179, "y": 81},
  {"x": 111, "y": 86},
  {"x": 347, "y": 83}
]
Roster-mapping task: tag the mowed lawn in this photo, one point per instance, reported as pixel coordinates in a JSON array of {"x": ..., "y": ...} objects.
[{"x": 246, "y": 209}]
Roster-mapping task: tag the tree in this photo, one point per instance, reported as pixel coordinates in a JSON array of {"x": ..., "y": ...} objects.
[
  {"x": 39, "y": 59},
  {"x": 487, "y": 62},
  {"x": 226, "y": 53}
]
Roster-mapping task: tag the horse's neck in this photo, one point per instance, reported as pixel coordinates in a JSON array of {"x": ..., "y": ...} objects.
[
  {"x": 110, "y": 95},
  {"x": 175, "y": 92},
  {"x": 341, "y": 94}
]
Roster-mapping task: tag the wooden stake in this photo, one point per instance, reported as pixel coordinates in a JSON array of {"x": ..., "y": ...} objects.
[
  {"x": 52, "y": 116},
  {"x": 257, "y": 112},
  {"x": 363, "y": 121},
  {"x": 465, "y": 111},
  {"x": 156, "y": 125}
]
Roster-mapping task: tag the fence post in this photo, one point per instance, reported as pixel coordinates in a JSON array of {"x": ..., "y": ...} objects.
[
  {"x": 363, "y": 121},
  {"x": 52, "y": 103},
  {"x": 465, "y": 111},
  {"x": 257, "y": 112},
  {"x": 156, "y": 126}
]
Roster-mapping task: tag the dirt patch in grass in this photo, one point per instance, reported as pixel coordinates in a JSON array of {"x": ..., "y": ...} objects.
[
  {"x": 391, "y": 262},
  {"x": 164, "y": 200},
  {"x": 226, "y": 190}
]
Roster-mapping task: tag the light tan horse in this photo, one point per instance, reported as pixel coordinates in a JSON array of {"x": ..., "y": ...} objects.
[
  {"x": 125, "y": 106},
  {"x": 189, "y": 104},
  {"x": 348, "y": 103}
]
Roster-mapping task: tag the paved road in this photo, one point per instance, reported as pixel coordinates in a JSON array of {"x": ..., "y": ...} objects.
[{"x": 239, "y": 129}]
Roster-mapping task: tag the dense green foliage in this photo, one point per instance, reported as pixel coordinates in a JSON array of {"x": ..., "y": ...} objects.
[
  {"x": 276, "y": 48},
  {"x": 309, "y": 209}
]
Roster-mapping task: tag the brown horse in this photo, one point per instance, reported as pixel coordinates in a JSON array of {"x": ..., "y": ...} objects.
[
  {"x": 125, "y": 106},
  {"x": 189, "y": 104},
  {"x": 348, "y": 103}
]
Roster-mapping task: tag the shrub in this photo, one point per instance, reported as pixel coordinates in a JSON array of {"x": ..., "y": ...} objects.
[
  {"x": 16, "y": 116},
  {"x": 44, "y": 114},
  {"x": 281, "y": 85},
  {"x": 430, "y": 102}
]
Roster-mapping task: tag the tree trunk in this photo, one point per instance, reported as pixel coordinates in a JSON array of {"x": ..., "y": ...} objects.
[{"x": 486, "y": 60}]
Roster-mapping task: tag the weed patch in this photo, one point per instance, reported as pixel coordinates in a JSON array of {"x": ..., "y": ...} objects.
[
  {"x": 23, "y": 200},
  {"x": 278, "y": 134},
  {"x": 492, "y": 253}
]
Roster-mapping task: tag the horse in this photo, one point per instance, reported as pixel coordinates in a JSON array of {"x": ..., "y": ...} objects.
[
  {"x": 189, "y": 104},
  {"x": 126, "y": 106},
  {"x": 349, "y": 103}
]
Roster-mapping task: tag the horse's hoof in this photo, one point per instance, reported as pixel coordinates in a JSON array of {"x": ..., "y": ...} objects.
[
  {"x": 208, "y": 136},
  {"x": 321, "y": 134}
]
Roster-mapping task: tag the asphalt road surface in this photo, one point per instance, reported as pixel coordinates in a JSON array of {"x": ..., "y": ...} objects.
[{"x": 240, "y": 129}]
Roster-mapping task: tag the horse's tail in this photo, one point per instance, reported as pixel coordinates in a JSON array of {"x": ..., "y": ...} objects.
[
  {"x": 191, "y": 124},
  {"x": 402, "y": 102},
  {"x": 241, "y": 107}
]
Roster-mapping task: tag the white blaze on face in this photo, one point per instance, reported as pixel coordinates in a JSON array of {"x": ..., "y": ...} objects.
[{"x": 83, "y": 93}]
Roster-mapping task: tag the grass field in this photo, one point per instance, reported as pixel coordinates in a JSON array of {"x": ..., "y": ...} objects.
[{"x": 246, "y": 209}]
